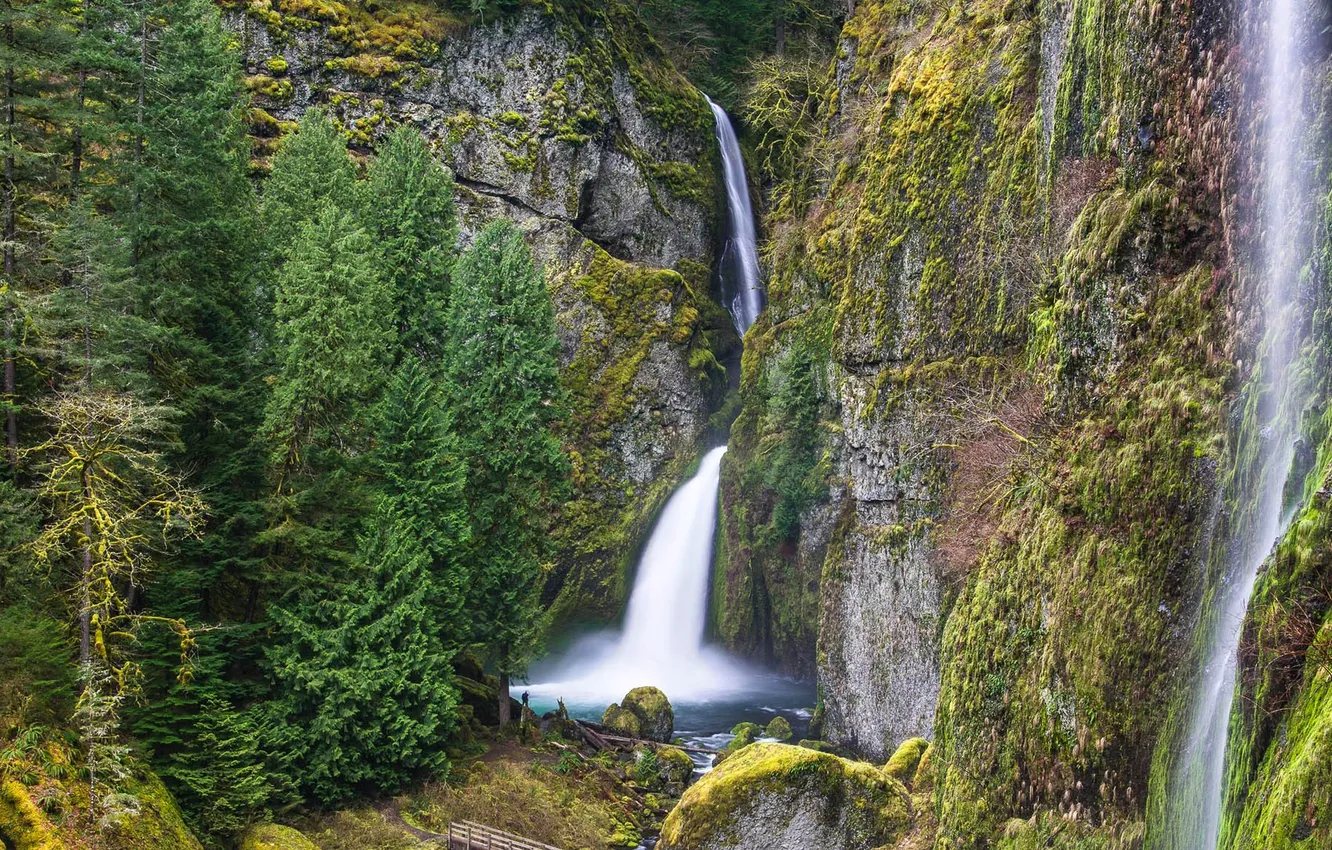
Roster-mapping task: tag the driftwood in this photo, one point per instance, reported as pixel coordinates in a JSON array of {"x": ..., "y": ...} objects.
[{"x": 595, "y": 732}]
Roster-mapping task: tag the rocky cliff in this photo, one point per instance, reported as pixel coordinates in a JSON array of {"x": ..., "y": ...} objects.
[
  {"x": 1014, "y": 302},
  {"x": 568, "y": 120}
]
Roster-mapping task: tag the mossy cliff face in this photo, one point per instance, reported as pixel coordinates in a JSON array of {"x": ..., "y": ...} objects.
[
  {"x": 1010, "y": 273},
  {"x": 566, "y": 119},
  {"x": 779, "y": 797}
]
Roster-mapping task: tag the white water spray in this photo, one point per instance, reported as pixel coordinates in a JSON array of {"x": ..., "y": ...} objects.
[
  {"x": 1195, "y": 803},
  {"x": 742, "y": 241},
  {"x": 662, "y": 641}
]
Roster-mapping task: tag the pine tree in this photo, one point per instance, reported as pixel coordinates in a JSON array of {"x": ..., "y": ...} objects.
[
  {"x": 334, "y": 336},
  {"x": 409, "y": 209},
  {"x": 422, "y": 478},
  {"x": 502, "y": 385},
  {"x": 365, "y": 694}
]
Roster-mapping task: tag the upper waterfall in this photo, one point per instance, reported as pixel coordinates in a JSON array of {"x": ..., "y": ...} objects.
[{"x": 742, "y": 238}]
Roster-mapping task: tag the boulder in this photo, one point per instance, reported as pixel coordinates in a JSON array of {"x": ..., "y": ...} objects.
[
  {"x": 675, "y": 767},
  {"x": 780, "y": 797},
  {"x": 643, "y": 713},
  {"x": 780, "y": 728},
  {"x": 745, "y": 734},
  {"x": 271, "y": 836}
]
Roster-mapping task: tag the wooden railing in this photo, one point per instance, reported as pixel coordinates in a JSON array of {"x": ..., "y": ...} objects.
[{"x": 465, "y": 835}]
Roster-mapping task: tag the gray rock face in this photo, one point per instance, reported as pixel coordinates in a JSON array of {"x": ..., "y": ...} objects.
[
  {"x": 541, "y": 122},
  {"x": 881, "y": 594}
]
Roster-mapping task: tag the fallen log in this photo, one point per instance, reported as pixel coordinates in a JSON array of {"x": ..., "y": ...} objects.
[{"x": 600, "y": 732}]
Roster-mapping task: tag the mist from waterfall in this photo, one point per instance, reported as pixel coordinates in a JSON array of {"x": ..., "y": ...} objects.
[
  {"x": 741, "y": 251},
  {"x": 1195, "y": 799},
  {"x": 662, "y": 640}
]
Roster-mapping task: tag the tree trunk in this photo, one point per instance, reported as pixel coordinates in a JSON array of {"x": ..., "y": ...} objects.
[
  {"x": 504, "y": 715},
  {"x": 781, "y": 35}
]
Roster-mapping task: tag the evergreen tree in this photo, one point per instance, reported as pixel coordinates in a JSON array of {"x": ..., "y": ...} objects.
[
  {"x": 422, "y": 478},
  {"x": 311, "y": 170},
  {"x": 334, "y": 336},
  {"x": 410, "y": 211},
  {"x": 365, "y": 693},
  {"x": 221, "y": 778},
  {"x": 502, "y": 385}
]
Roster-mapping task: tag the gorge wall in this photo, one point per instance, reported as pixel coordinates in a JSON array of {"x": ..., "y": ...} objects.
[
  {"x": 992, "y": 417},
  {"x": 567, "y": 120}
]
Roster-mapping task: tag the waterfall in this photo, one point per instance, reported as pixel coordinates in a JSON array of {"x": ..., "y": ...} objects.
[
  {"x": 662, "y": 640},
  {"x": 1195, "y": 798},
  {"x": 742, "y": 238}
]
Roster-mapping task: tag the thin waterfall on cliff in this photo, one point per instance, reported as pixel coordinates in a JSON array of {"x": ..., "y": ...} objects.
[
  {"x": 662, "y": 641},
  {"x": 741, "y": 254},
  {"x": 1194, "y": 805}
]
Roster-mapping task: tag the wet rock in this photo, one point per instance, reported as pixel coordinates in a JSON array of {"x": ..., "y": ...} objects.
[
  {"x": 780, "y": 728},
  {"x": 780, "y": 797}
]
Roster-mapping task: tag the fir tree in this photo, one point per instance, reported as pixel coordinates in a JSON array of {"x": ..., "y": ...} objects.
[
  {"x": 365, "y": 693},
  {"x": 422, "y": 478},
  {"x": 502, "y": 385},
  {"x": 311, "y": 170},
  {"x": 221, "y": 778},
  {"x": 409, "y": 208},
  {"x": 334, "y": 336}
]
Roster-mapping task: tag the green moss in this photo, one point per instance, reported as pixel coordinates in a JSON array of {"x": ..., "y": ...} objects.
[
  {"x": 621, "y": 721},
  {"x": 22, "y": 824},
  {"x": 860, "y": 807},
  {"x": 274, "y": 837},
  {"x": 780, "y": 728},
  {"x": 904, "y": 762},
  {"x": 745, "y": 734},
  {"x": 270, "y": 87},
  {"x": 157, "y": 824}
]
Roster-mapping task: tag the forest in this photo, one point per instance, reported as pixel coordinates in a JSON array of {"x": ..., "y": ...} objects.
[{"x": 768, "y": 424}]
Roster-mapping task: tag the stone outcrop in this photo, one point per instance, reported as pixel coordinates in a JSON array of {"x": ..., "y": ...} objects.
[{"x": 572, "y": 124}]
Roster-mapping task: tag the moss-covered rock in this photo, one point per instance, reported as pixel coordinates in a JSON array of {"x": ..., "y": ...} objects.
[
  {"x": 675, "y": 767},
  {"x": 271, "y": 836},
  {"x": 622, "y": 721},
  {"x": 645, "y": 712},
  {"x": 155, "y": 821},
  {"x": 780, "y": 728},
  {"x": 22, "y": 824},
  {"x": 780, "y": 797},
  {"x": 902, "y": 766},
  {"x": 745, "y": 734}
]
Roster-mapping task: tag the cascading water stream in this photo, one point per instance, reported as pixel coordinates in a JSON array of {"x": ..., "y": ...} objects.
[
  {"x": 1195, "y": 801},
  {"x": 662, "y": 642},
  {"x": 742, "y": 241}
]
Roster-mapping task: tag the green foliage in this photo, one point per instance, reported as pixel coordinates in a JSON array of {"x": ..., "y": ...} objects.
[
  {"x": 36, "y": 673},
  {"x": 365, "y": 692},
  {"x": 334, "y": 336},
  {"x": 501, "y": 381}
]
